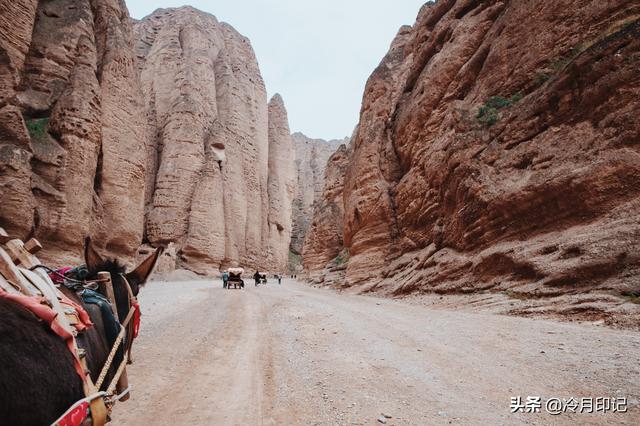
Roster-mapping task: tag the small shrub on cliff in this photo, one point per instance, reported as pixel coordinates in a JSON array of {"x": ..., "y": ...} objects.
[
  {"x": 341, "y": 258},
  {"x": 488, "y": 114},
  {"x": 541, "y": 78},
  {"x": 37, "y": 128},
  {"x": 515, "y": 295},
  {"x": 558, "y": 64},
  {"x": 632, "y": 296},
  {"x": 516, "y": 98}
]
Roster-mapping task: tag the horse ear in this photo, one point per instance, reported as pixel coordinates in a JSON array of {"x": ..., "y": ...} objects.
[
  {"x": 91, "y": 257},
  {"x": 142, "y": 272}
]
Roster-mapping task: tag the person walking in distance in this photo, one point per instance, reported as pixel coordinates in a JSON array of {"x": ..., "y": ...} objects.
[
  {"x": 279, "y": 279},
  {"x": 256, "y": 278},
  {"x": 225, "y": 278}
]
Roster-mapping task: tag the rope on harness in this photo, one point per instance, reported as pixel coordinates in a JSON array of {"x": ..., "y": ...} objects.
[
  {"x": 77, "y": 413},
  {"x": 114, "y": 349},
  {"x": 112, "y": 386},
  {"x": 56, "y": 273},
  {"x": 78, "y": 283},
  {"x": 123, "y": 393}
]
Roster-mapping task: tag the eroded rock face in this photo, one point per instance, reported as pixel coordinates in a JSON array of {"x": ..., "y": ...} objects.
[
  {"x": 281, "y": 184},
  {"x": 72, "y": 139},
  {"x": 497, "y": 156},
  {"x": 323, "y": 242},
  {"x": 311, "y": 159},
  {"x": 211, "y": 187},
  {"x": 163, "y": 141}
]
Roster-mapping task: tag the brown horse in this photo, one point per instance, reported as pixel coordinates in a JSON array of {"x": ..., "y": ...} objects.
[{"x": 38, "y": 382}]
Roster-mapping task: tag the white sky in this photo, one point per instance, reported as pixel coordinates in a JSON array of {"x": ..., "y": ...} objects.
[{"x": 316, "y": 54}]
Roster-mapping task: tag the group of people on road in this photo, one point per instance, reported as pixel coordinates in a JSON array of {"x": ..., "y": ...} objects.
[{"x": 257, "y": 277}]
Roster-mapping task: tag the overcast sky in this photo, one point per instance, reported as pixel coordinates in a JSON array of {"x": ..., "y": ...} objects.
[{"x": 316, "y": 54}]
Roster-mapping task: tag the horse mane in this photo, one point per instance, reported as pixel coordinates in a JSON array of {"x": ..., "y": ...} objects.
[
  {"x": 113, "y": 266},
  {"x": 116, "y": 269}
]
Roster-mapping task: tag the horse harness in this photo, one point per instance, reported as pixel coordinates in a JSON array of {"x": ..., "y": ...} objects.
[
  {"x": 105, "y": 400},
  {"x": 67, "y": 319}
]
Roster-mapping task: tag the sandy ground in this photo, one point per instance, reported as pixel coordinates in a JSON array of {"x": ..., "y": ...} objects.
[{"x": 295, "y": 355}]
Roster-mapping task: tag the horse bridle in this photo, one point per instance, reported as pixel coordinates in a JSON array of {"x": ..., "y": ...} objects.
[
  {"x": 133, "y": 302},
  {"x": 75, "y": 285}
]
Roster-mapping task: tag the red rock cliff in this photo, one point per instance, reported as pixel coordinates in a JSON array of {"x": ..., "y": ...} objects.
[
  {"x": 72, "y": 138},
  {"x": 323, "y": 250},
  {"x": 311, "y": 159},
  {"x": 498, "y": 149}
]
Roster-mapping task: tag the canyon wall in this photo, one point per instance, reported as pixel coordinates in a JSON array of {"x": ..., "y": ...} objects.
[
  {"x": 72, "y": 128},
  {"x": 311, "y": 159},
  {"x": 281, "y": 184},
  {"x": 498, "y": 152},
  {"x": 323, "y": 248},
  {"x": 220, "y": 169},
  {"x": 140, "y": 134}
]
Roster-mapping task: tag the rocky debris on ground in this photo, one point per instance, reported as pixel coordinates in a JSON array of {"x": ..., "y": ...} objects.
[{"x": 493, "y": 156}]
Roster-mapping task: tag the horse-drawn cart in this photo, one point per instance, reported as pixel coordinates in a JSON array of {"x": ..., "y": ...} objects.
[{"x": 235, "y": 278}]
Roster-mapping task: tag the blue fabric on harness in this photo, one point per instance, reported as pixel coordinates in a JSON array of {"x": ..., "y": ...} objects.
[{"x": 111, "y": 324}]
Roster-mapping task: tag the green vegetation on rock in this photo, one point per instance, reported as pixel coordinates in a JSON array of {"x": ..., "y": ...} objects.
[
  {"x": 37, "y": 128},
  {"x": 489, "y": 114},
  {"x": 632, "y": 296},
  {"x": 341, "y": 258}
]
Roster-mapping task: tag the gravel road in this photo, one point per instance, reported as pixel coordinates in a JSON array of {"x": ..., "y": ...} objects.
[{"x": 295, "y": 355}]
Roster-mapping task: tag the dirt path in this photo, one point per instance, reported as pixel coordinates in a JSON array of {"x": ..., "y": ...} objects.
[{"x": 294, "y": 355}]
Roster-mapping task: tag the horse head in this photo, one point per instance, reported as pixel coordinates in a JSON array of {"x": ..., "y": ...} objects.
[{"x": 136, "y": 278}]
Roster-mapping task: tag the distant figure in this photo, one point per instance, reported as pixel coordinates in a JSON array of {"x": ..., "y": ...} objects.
[
  {"x": 279, "y": 279},
  {"x": 256, "y": 278},
  {"x": 225, "y": 278}
]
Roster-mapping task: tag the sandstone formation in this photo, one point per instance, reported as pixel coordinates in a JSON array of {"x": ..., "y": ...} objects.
[
  {"x": 311, "y": 159},
  {"x": 323, "y": 244},
  {"x": 220, "y": 161},
  {"x": 281, "y": 184},
  {"x": 498, "y": 151},
  {"x": 153, "y": 135},
  {"x": 72, "y": 133}
]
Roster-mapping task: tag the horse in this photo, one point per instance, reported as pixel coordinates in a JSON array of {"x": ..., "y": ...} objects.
[{"x": 38, "y": 380}]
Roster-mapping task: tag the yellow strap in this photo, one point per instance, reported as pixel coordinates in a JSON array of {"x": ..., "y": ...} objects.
[
  {"x": 98, "y": 412},
  {"x": 98, "y": 408}
]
